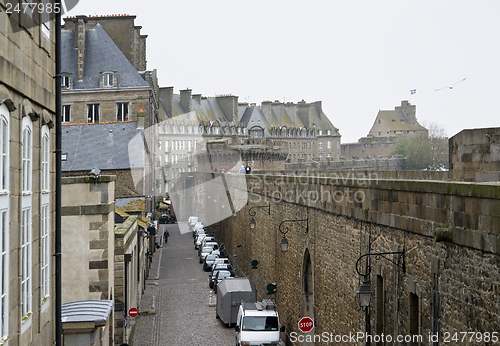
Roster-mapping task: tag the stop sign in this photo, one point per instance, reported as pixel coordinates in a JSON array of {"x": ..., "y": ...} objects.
[
  {"x": 132, "y": 312},
  {"x": 306, "y": 324}
]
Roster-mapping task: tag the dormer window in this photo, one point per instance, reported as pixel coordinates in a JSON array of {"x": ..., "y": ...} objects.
[
  {"x": 66, "y": 82},
  {"x": 108, "y": 79}
]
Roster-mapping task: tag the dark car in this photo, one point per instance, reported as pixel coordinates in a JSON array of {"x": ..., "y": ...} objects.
[
  {"x": 209, "y": 260},
  {"x": 211, "y": 277},
  {"x": 165, "y": 218},
  {"x": 221, "y": 275}
]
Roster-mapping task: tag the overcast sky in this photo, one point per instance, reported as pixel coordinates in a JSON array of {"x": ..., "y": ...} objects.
[{"x": 356, "y": 56}]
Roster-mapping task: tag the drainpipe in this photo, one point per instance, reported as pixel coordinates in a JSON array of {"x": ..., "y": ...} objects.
[{"x": 58, "y": 233}]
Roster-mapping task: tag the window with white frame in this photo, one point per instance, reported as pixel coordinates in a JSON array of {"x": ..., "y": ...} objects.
[
  {"x": 108, "y": 79},
  {"x": 321, "y": 145},
  {"x": 27, "y": 157},
  {"x": 45, "y": 163},
  {"x": 93, "y": 113},
  {"x": 26, "y": 252},
  {"x": 45, "y": 254},
  {"x": 66, "y": 113},
  {"x": 4, "y": 222},
  {"x": 4, "y": 266},
  {"x": 26, "y": 221},
  {"x": 121, "y": 111},
  {"x": 45, "y": 217},
  {"x": 329, "y": 144},
  {"x": 65, "y": 81},
  {"x": 4, "y": 149}
]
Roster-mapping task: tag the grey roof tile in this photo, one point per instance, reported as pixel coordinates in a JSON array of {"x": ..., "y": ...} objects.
[
  {"x": 104, "y": 146},
  {"x": 101, "y": 54}
]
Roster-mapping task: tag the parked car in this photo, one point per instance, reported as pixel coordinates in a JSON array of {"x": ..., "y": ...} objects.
[
  {"x": 215, "y": 252},
  {"x": 165, "y": 218},
  {"x": 198, "y": 241},
  {"x": 211, "y": 277},
  {"x": 219, "y": 261},
  {"x": 192, "y": 220},
  {"x": 205, "y": 243},
  {"x": 205, "y": 251},
  {"x": 198, "y": 231},
  {"x": 221, "y": 275},
  {"x": 198, "y": 225},
  {"x": 209, "y": 260}
]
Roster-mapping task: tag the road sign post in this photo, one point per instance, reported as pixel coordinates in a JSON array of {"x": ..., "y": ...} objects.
[{"x": 306, "y": 324}]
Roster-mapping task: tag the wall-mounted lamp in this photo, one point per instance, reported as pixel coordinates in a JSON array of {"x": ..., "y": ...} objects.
[
  {"x": 252, "y": 213},
  {"x": 378, "y": 255},
  {"x": 364, "y": 291},
  {"x": 284, "y": 240}
]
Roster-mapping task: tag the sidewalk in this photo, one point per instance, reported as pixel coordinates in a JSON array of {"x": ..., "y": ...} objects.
[{"x": 146, "y": 324}]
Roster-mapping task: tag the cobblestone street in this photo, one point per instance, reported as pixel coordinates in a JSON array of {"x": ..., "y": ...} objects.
[{"x": 177, "y": 290}]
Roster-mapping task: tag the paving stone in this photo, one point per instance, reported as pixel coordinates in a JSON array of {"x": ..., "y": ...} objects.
[{"x": 180, "y": 296}]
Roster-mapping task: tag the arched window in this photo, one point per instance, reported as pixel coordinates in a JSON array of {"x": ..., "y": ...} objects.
[
  {"x": 4, "y": 221},
  {"x": 26, "y": 221},
  {"x": 45, "y": 218}
]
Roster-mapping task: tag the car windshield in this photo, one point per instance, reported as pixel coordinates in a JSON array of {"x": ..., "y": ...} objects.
[
  {"x": 260, "y": 323},
  {"x": 223, "y": 274},
  {"x": 207, "y": 249},
  {"x": 211, "y": 257}
]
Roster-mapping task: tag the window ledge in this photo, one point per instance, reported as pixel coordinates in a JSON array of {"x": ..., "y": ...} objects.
[
  {"x": 45, "y": 192},
  {"x": 27, "y": 193},
  {"x": 4, "y": 192}
]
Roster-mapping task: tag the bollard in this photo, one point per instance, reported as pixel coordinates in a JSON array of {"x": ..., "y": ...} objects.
[{"x": 211, "y": 299}]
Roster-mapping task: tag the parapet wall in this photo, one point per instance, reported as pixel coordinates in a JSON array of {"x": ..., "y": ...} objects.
[{"x": 449, "y": 232}]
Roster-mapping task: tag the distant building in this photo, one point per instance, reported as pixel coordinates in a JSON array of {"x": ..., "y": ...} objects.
[
  {"x": 302, "y": 130},
  {"x": 389, "y": 125}
]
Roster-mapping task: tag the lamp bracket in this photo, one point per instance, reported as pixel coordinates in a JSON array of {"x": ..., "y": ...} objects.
[
  {"x": 297, "y": 222},
  {"x": 379, "y": 255},
  {"x": 253, "y": 212}
]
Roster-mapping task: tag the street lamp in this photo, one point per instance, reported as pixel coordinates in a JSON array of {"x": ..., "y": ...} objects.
[
  {"x": 284, "y": 240},
  {"x": 252, "y": 213},
  {"x": 364, "y": 291},
  {"x": 364, "y": 294}
]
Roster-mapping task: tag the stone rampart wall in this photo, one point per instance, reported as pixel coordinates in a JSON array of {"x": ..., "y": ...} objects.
[{"x": 449, "y": 231}]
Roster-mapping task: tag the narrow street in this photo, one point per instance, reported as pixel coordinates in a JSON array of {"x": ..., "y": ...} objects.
[{"x": 181, "y": 297}]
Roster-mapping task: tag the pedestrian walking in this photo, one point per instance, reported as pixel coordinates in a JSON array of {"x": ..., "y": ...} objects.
[
  {"x": 165, "y": 236},
  {"x": 242, "y": 170},
  {"x": 248, "y": 169}
]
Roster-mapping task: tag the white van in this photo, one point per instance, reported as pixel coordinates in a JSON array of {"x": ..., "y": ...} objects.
[{"x": 257, "y": 324}]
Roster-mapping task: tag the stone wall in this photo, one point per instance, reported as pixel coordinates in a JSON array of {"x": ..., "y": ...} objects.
[
  {"x": 27, "y": 90},
  {"x": 475, "y": 155},
  {"x": 395, "y": 163},
  {"x": 88, "y": 224},
  {"x": 449, "y": 231}
]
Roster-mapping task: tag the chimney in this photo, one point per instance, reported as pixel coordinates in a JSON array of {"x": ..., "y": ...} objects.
[
  {"x": 229, "y": 105},
  {"x": 266, "y": 110},
  {"x": 80, "y": 43},
  {"x": 303, "y": 112},
  {"x": 197, "y": 98},
  {"x": 186, "y": 100},
  {"x": 140, "y": 118},
  {"x": 166, "y": 97}
]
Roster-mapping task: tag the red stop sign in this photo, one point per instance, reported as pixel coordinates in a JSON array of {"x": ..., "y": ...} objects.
[
  {"x": 132, "y": 312},
  {"x": 306, "y": 324}
]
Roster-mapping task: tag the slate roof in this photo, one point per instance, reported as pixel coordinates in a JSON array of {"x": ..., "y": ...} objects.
[
  {"x": 400, "y": 122},
  {"x": 101, "y": 54},
  {"x": 104, "y": 146}
]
